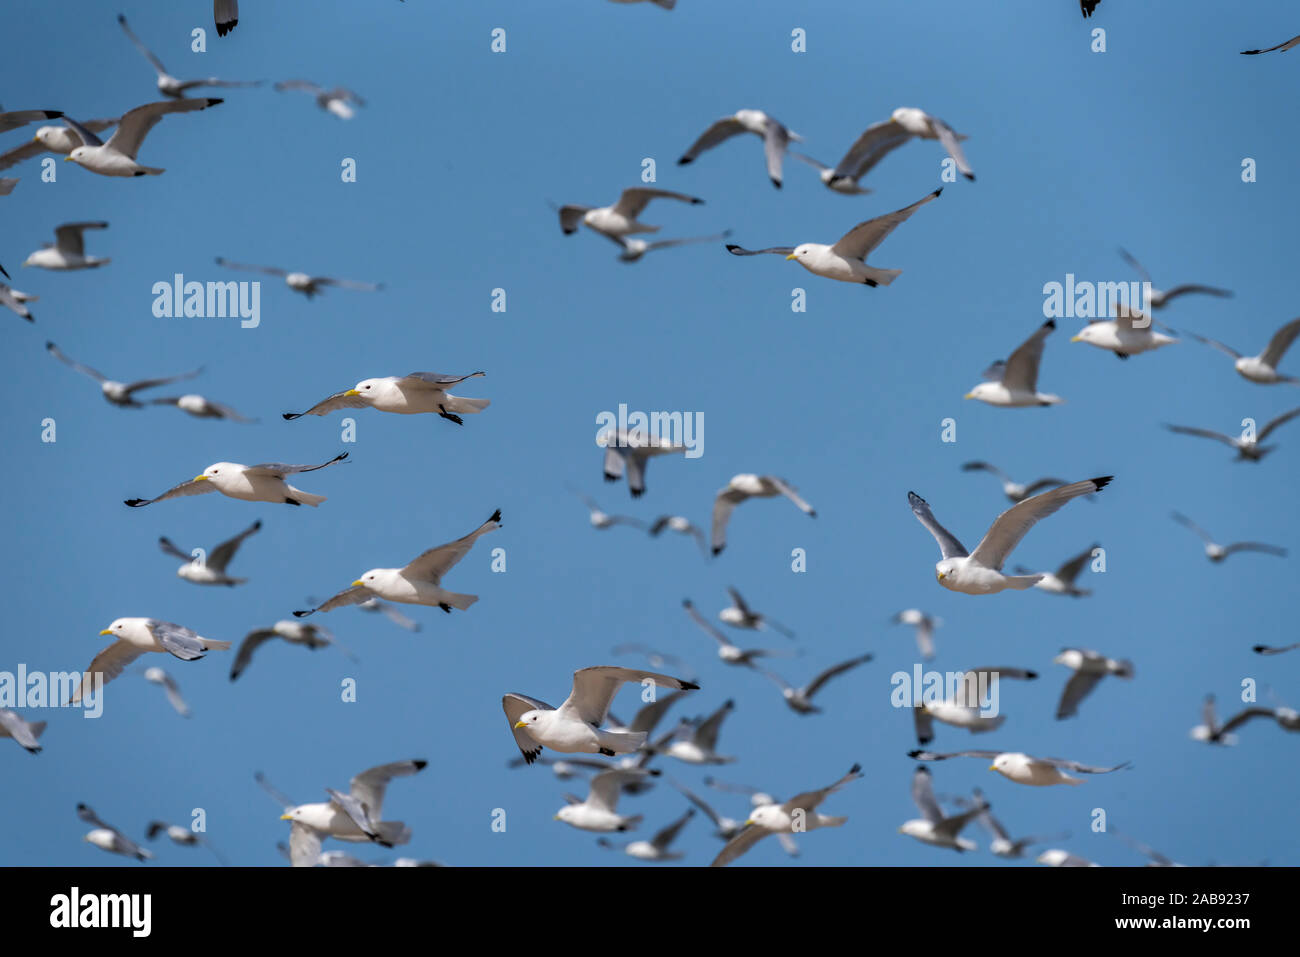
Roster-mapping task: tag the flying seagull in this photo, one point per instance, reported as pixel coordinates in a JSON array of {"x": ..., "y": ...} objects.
[
  {"x": 337, "y": 101},
  {"x": 1010, "y": 488},
  {"x": 1159, "y": 298},
  {"x": 182, "y": 836},
  {"x": 602, "y": 520},
  {"x": 411, "y": 394},
  {"x": 15, "y": 300},
  {"x": 24, "y": 732},
  {"x": 391, "y": 612},
  {"x": 210, "y": 570},
  {"x": 170, "y": 688},
  {"x": 620, "y": 219},
  {"x": 168, "y": 85},
  {"x": 800, "y": 699},
  {"x": 355, "y": 816},
  {"x": 108, "y": 838},
  {"x": 1024, "y": 768},
  {"x": 68, "y": 251},
  {"x": 1089, "y": 668},
  {"x": 880, "y": 139},
  {"x": 1270, "y": 650},
  {"x": 1127, "y": 333},
  {"x": 696, "y": 742},
  {"x": 1263, "y": 367},
  {"x": 135, "y": 636},
  {"x": 302, "y": 282},
  {"x": 980, "y": 572},
  {"x": 657, "y": 848},
  {"x": 796, "y": 815},
  {"x": 574, "y": 727},
  {"x": 1013, "y": 382},
  {"x": 1249, "y": 448},
  {"x": 632, "y": 449},
  {"x": 933, "y": 827},
  {"x": 419, "y": 582},
  {"x": 1002, "y": 844},
  {"x": 294, "y": 632},
  {"x": 1216, "y": 552},
  {"x": 1211, "y": 732},
  {"x": 776, "y": 137},
  {"x": 634, "y": 249},
  {"x": 924, "y": 625},
  {"x": 201, "y": 407},
  {"x": 740, "y": 615},
  {"x": 53, "y": 139},
  {"x": 1061, "y": 581},
  {"x": 728, "y": 652},
  {"x": 743, "y": 487},
  {"x": 599, "y": 812},
  {"x": 117, "y": 156},
  {"x": 965, "y": 709},
  {"x": 249, "y": 483},
  {"x": 121, "y": 394},
  {"x": 845, "y": 259},
  {"x": 683, "y": 526},
  {"x": 16, "y": 118}
]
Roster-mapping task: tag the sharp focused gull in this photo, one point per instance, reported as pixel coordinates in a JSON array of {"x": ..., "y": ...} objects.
[
  {"x": 117, "y": 156},
  {"x": 249, "y": 483},
  {"x": 135, "y": 636},
  {"x": 411, "y": 394}
]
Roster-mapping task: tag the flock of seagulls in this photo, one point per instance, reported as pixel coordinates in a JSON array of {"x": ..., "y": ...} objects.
[{"x": 583, "y": 724}]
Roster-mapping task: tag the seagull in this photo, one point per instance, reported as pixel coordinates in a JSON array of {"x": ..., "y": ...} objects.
[
  {"x": 646, "y": 719},
  {"x": 24, "y": 732},
  {"x": 1013, "y": 382},
  {"x": 796, "y": 815},
  {"x": 225, "y": 13},
  {"x": 337, "y": 101},
  {"x": 68, "y": 251},
  {"x": 1055, "y": 857},
  {"x": 212, "y": 569},
  {"x": 602, "y": 520},
  {"x": 1211, "y": 732},
  {"x": 117, "y": 156},
  {"x": 683, "y": 526},
  {"x": 355, "y": 816},
  {"x": 656, "y": 849},
  {"x": 306, "y": 284},
  {"x": 419, "y": 582},
  {"x": 1129, "y": 333},
  {"x": 1269, "y": 650},
  {"x": 658, "y": 659},
  {"x": 1089, "y": 668},
  {"x": 924, "y": 625},
  {"x": 740, "y": 615},
  {"x": 1217, "y": 553},
  {"x": 1263, "y": 367},
  {"x": 600, "y": 811},
  {"x": 1087, "y": 6},
  {"x": 249, "y": 483},
  {"x": 135, "y": 636},
  {"x": 932, "y": 827},
  {"x": 295, "y": 632},
  {"x": 728, "y": 652},
  {"x": 1011, "y": 489},
  {"x": 1002, "y": 845},
  {"x": 567, "y": 768},
  {"x": 121, "y": 394},
  {"x": 727, "y": 828},
  {"x": 634, "y": 249},
  {"x": 1157, "y": 859},
  {"x": 800, "y": 699},
  {"x": 1248, "y": 449},
  {"x": 410, "y": 394},
  {"x": 632, "y": 449},
  {"x": 53, "y": 139},
  {"x": 390, "y": 612},
  {"x": 108, "y": 838},
  {"x": 1158, "y": 299},
  {"x": 980, "y": 572},
  {"x": 168, "y": 85},
  {"x": 182, "y": 836},
  {"x": 776, "y": 137},
  {"x": 965, "y": 709},
  {"x": 845, "y": 259},
  {"x": 201, "y": 408},
  {"x": 1061, "y": 581},
  {"x": 743, "y": 487},
  {"x": 1281, "y": 46},
  {"x": 619, "y": 219},
  {"x": 880, "y": 139},
  {"x": 168, "y": 683},
  {"x": 16, "y": 118},
  {"x": 15, "y": 300},
  {"x": 1024, "y": 768},
  {"x": 696, "y": 742},
  {"x": 574, "y": 727}
]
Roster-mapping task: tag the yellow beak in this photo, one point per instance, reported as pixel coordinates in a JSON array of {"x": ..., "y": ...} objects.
[
  {"x": 792, "y": 256},
  {"x": 36, "y": 138},
  {"x": 286, "y": 817},
  {"x": 748, "y": 821},
  {"x": 67, "y": 159},
  {"x": 199, "y": 478},
  {"x": 993, "y": 767},
  {"x": 357, "y": 582},
  {"x": 556, "y": 818},
  {"x": 969, "y": 395},
  {"x": 521, "y": 724},
  {"x": 939, "y": 575},
  {"x": 1077, "y": 339},
  {"x": 352, "y": 392},
  {"x": 107, "y": 631}
]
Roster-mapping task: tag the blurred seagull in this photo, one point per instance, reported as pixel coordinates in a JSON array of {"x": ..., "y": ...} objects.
[
  {"x": 24, "y": 732},
  {"x": 168, "y": 684},
  {"x": 633, "y": 449},
  {"x": 800, "y": 699},
  {"x": 337, "y": 101},
  {"x": 655, "y": 849},
  {"x": 620, "y": 219},
  {"x": 1012, "y": 489},
  {"x": 776, "y": 137},
  {"x": 1089, "y": 668},
  {"x": 16, "y": 118},
  {"x": 1061, "y": 582},
  {"x": 53, "y": 139},
  {"x": 1263, "y": 367},
  {"x": 212, "y": 569},
  {"x": 634, "y": 249},
  {"x": 201, "y": 408},
  {"x": 121, "y": 394},
  {"x": 1158, "y": 298},
  {"x": 302, "y": 282},
  {"x": 117, "y": 156},
  {"x": 1128, "y": 333},
  {"x": 1013, "y": 382},
  {"x": 743, "y": 487},
  {"x": 16, "y": 301},
  {"x": 1247, "y": 444},
  {"x": 294, "y": 632},
  {"x": 800, "y": 810},
  {"x": 682, "y": 526},
  {"x": 68, "y": 251},
  {"x": 182, "y": 836},
  {"x": 108, "y": 838},
  {"x": 740, "y": 615},
  {"x": 599, "y": 812},
  {"x": 168, "y": 85},
  {"x": 924, "y": 625},
  {"x": 1217, "y": 553},
  {"x": 932, "y": 827},
  {"x": 880, "y": 139},
  {"x": 602, "y": 520},
  {"x": 728, "y": 652}
]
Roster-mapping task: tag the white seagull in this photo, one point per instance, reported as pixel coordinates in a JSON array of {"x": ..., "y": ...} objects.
[
  {"x": 15, "y": 300},
  {"x": 1013, "y": 383},
  {"x": 249, "y": 483},
  {"x": 170, "y": 688},
  {"x": 696, "y": 742},
  {"x": 602, "y": 520},
  {"x": 1010, "y": 488},
  {"x": 1128, "y": 333},
  {"x": 743, "y": 487},
  {"x": 1216, "y": 552},
  {"x": 211, "y": 569},
  {"x": 1263, "y": 367},
  {"x": 620, "y": 219},
  {"x": 632, "y": 449},
  {"x": 727, "y": 651},
  {"x": 24, "y": 732},
  {"x": 924, "y": 624},
  {"x": 294, "y": 632},
  {"x": 117, "y": 156},
  {"x": 68, "y": 251},
  {"x": 337, "y": 101},
  {"x": 1160, "y": 298},
  {"x": 201, "y": 407},
  {"x": 933, "y": 827},
  {"x": 411, "y": 394},
  {"x": 880, "y": 139},
  {"x": 599, "y": 812},
  {"x": 682, "y": 526},
  {"x": 800, "y": 699},
  {"x": 302, "y": 282},
  {"x": 1247, "y": 445},
  {"x": 740, "y": 615},
  {"x": 845, "y": 259},
  {"x": 980, "y": 572},
  {"x": 655, "y": 849},
  {"x": 634, "y": 249},
  {"x": 775, "y": 136},
  {"x": 53, "y": 139},
  {"x": 168, "y": 85},
  {"x": 1024, "y": 768},
  {"x": 1089, "y": 667},
  {"x": 121, "y": 394},
  {"x": 1061, "y": 581},
  {"x": 796, "y": 815},
  {"x": 135, "y": 636}
]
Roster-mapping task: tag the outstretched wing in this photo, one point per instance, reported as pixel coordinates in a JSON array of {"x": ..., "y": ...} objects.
[
  {"x": 1280, "y": 343},
  {"x": 136, "y": 124},
  {"x": 265, "y": 270},
  {"x": 349, "y": 596},
  {"x": 723, "y": 129},
  {"x": 859, "y": 241},
  {"x": 436, "y": 562},
  {"x": 742, "y": 251},
  {"x": 834, "y": 670},
  {"x": 633, "y": 201},
  {"x": 1011, "y": 526},
  {"x": 516, "y": 706},
  {"x": 220, "y": 556},
  {"x": 280, "y": 469},
  {"x": 192, "y": 487},
  {"x": 949, "y": 547}
]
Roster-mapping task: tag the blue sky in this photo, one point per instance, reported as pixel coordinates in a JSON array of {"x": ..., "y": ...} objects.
[{"x": 458, "y": 151}]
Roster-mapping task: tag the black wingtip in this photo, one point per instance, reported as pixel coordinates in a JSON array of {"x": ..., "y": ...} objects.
[
  {"x": 135, "y": 502},
  {"x": 717, "y": 549},
  {"x": 290, "y": 416},
  {"x": 870, "y": 282},
  {"x": 121, "y": 18},
  {"x": 776, "y": 182},
  {"x": 937, "y": 191},
  {"x": 690, "y": 686},
  {"x": 915, "y": 753},
  {"x": 302, "y": 613},
  {"x": 969, "y": 176},
  {"x": 1050, "y": 324},
  {"x": 1259, "y": 649},
  {"x": 420, "y": 764},
  {"x": 610, "y": 478},
  {"x": 637, "y": 493},
  {"x": 857, "y": 768},
  {"x": 696, "y": 201},
  {"x": 732, "y": 247},
  {"x": 685, "y": 160},
  {"x": 496, "y": 516},
  {"x": 1031, "y": 675},
  {"x": 1102, "y": 482},
  {"x": 257, "y": 525}
]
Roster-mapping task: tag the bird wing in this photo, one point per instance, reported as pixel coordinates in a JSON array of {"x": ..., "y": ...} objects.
[
  {"x": 110, "y": 663},
  {"x": 1206, "y": 433},
  {"x": 339, "y": 400},
  {"x": 1194, "y": 288},
  {"x": 571, "y": 217},
  {"x": 16, "y": 118},
  {"x": 304, "y": 841},
  {"x": 1280, "y": 343},
  {"x": 1011, "y": 526},
  {"x": 633, "y": 201},
  {"x": 1132, "y": 261},
  {"x": 809, "y": 801},
  {"x": 1254, "y": 547},
  {"x": 1183, "y": 520},
  {"x": 723, "y": 129},
  {"x": 923, "y": 725},
  {"x": 174, "y": 698},
  {"x": 792, "y": 494},
  {"x": 22, "y": 732},
  {"x": 935, "y": 756},
  {"x": 1281, "y": 46},
  {"x": 706, "y": 732},
  {"x": 177, "y": 639},
  {"x": 252, "y": 641},
  {"x": 723, "y": 505},
  {"x": 664, "y": 838},
  {"x": 280, "y": 469},
  {"x": 704, "y": 623},
  {"x": 1069, "y": 571},
  {"x": 349, "y": 596},
  {"x": 306, "y": 85},
  {"x": 277, "y": 796},
  {"x": 923, "y": 795},
  {"x": 148, "y": 54},
  {"x": 649, "y": 716},
  {"x": 1241, "y": 717},
  {"x": 1021, "y": 371},
  {"x": 265, "y": 270},
  {"x": 815, "y": 685},
  {"x": 1043, "y": 483},
  {"x": 742, "y": 251},
  {"x": 1076, "y": 689},
  {"x": 436, "y": 562},
  {"x": 1281, "y": 420},
  {"x": 859, "y": 241},
  {"x": 775, "y": 140},
  {"x": 1216, "y": 344},
  {"x": 594, "y": 689},
  {"x": 348, "y": 284},
  {"x": 606, "y": 787},
  {"x": 192, "y": 487},
  {"x": 875, "y": 143},
  {"x": 136, "y": 124},
  {"x": 739, "y": 602},
  {"x": 949, "y": 141},
  {"x": 220, "y": 556},
  {"x": 391, "y": 613},
  {"x": 738, "y": 845},
  {"x": 169, "y": 547},
  {"x": 69, "y": 238},
  {"x": 134, "y": 387},
  {"x": 435, "y": 381},
  {"x": 949, "y": 547},
  {"x": 516, "y": 706},
  {"x": 1076, "y": 766},
  {"x": 369, "y": 786},
  {"x": 986, "y": 467}
]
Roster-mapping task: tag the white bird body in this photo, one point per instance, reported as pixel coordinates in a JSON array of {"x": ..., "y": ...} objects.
[
  {"x": 390, "y": 583},
  {"x": 235, "y": 481},
  {"x": 927, "y": 833}
]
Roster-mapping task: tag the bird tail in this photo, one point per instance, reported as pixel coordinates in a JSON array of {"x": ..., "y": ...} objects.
[
  {"x": 629, "y": 741},
  {"x": 1071, "y": 781},
  {"x": 393, "y": 832},
  {"x": 455, "y": 403},
  {"x": 630, "y": 822},
  {"x": 883, "y": 277},
  {"x": 150, "y": 171},
  {"x": 1022, "y": 582},
  {"x": 459, "y": 601},
  {"x": 824, "y": 821},
  {"x": 305, "y": 498},
  {"x": 211, "y": 644}
]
